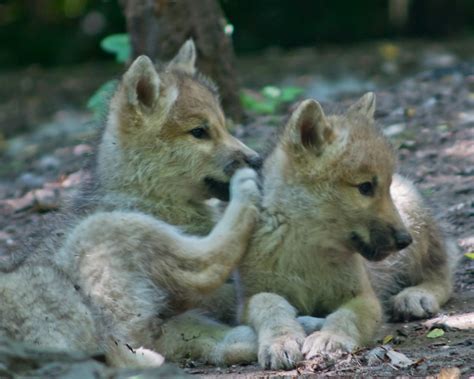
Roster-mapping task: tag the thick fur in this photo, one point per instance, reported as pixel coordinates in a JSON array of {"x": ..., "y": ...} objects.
[
  {"x": 324, "y": 232},
  {"x": 120, "y": 276}
]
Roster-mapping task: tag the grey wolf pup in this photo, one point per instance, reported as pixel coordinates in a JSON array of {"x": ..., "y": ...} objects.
[
  {"x": 119, "y": 276},
  {"x": 334, "y": 213}
]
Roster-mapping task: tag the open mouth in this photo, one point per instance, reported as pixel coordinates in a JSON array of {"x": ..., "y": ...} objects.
[
  {"x": 217, "y": 189},
  {"x": 369, "y": 252}
]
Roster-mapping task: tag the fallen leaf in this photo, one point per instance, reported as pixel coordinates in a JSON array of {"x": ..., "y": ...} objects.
[
  {"x": 435, "y": 333},
  {"x": 410, "y": 112},
  {"x": 389, "y": 51},
  {"x": 376, "y": 356},
  {"x": 387, "y": 339},
  {"x": 469, "y": 255},
  {"x": 380, "y": 354},
  {"x": 463, "y": 321},
  {"x": 398, "y": 360}
]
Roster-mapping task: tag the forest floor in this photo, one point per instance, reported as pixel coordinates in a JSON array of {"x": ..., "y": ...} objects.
[{"x": 425, "y": 105}]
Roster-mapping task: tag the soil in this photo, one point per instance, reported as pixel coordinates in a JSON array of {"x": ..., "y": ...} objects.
[{"x": 425, "y": 104}]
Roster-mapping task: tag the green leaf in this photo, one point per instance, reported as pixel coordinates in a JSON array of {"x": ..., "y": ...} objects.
[
  {"x": 469, "y": 255},
  {"x": 98, "y": 102},
  {"x": 290, "y": 93},
  {"x": 271, "y": 92},
  {"x": 271, "y": 98},
  {"x": 387, "y": 339},
  {"x": 118, "y": 44},
  {"x": 252, "y": 103},
  {"x": 435, "y": 333}
]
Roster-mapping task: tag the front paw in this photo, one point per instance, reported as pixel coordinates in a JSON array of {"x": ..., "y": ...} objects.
[
  {"x": 413, "y": 303},
  {"x": 244, "y": 186},
  {"x": 326, "y": 342},
  {"x": 239, "y": 346},
  {"x": 282, "y": 352}
]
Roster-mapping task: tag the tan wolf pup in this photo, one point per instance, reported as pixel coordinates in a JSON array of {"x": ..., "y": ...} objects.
[
  {"x": 332, "y": 210},
  {"x": 144, "y": 248}
]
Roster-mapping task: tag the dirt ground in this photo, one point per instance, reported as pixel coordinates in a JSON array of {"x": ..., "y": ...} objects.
[{"x": 425, "y": 104}]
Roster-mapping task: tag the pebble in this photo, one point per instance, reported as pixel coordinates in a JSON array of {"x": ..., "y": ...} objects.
[
  {"x": 82, "y": 149},
  {"x": 28, "y": 180},
  {"x": 48, "y": 163},
  {"x": 394, "y": 129},
  {"x": 466, "y": 117},
  {"x": 430, "y": 103},
  {"x": 439, "y": 60}
]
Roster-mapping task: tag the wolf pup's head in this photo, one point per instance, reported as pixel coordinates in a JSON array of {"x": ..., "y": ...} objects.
[
  {"x": 344, "y": 167},
  {"x": 166, "y": 132}
]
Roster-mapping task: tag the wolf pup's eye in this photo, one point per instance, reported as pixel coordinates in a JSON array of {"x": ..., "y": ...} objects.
[
  {"x": 366, "y": 189},
  {"x": 199, "y": 133}
]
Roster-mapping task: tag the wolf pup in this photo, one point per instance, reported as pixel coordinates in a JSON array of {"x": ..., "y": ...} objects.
[
  {"x": 332, "y": 211},
  {"x": 145, "y": 248}
]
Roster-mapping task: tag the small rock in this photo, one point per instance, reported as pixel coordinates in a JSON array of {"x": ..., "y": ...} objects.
[
  {"x": 430, "y": 103},
  {"x": 394, "y": 129},
  {"x": 470, "y": 82},
  {"x": 466, "y": 171},
  {"x": 28, "y": 180},
  {"x": 48, "y": 163},
  {"x": 46, "y": 199},
  {"x": 397, "y": 112},
  {"x": 466, "y": 117},
  {"x": 408, "y": 144},
  {"x": 439, "y": 60},
  {"x": 82, "y": 149},
  {"x": 389, "y": 68}
]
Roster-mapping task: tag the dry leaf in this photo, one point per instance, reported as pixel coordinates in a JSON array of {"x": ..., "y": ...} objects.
[
  {"x": 463, "y": 321},
  {"x": 387, "y": 339},
  {"x": 399, "y": 360}
]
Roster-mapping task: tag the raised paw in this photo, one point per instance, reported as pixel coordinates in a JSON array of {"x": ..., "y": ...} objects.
[
  {"x": 244, "y": 187},
  {"x": 281, "y": 352},
  {"x": 414, "y": 303},
  {"x": 326, "y": 342}
]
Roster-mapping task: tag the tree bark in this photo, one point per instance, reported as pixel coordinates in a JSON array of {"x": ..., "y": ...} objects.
[{"x": 158, "y": 28}]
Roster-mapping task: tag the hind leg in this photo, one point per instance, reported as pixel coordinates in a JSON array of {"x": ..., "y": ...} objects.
[
  {"x": 431, "y": 282},
  {"x": 421, "y": 301},
  {"x": 425, "y": 269},
  {"x": 193, "y": 336}
]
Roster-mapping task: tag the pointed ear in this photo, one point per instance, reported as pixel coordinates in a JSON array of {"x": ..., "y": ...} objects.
[
  {"x": 308, "y": 126},
  {"x": 185, "y": 60},
  {"x": 365, "y": 105},
  {"x": 142, "y": 83}
]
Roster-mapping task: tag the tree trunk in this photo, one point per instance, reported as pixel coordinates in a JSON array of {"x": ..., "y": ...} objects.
[{"x": 158, "y": 28}]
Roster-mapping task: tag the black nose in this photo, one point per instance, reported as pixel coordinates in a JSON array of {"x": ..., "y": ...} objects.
[
  {"x": 402, "y": 239},
  {"x": 254, "y": 161}
]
